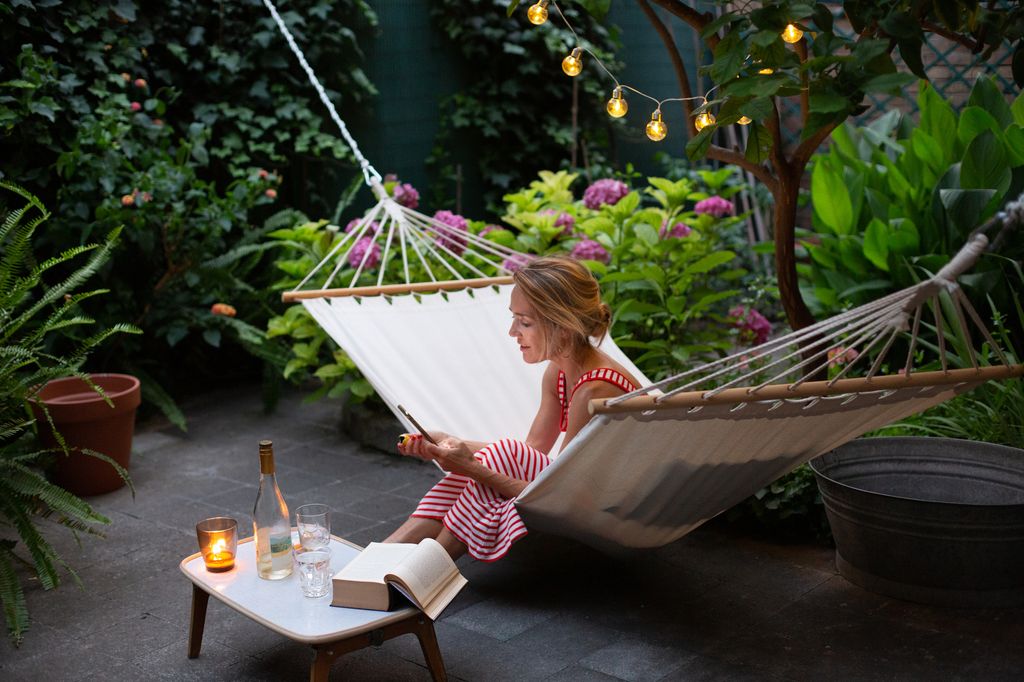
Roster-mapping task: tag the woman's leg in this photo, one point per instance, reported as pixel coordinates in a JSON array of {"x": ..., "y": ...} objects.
[
  {"x": 415, "y": 529},
  {"x": 452, "y": 544}
]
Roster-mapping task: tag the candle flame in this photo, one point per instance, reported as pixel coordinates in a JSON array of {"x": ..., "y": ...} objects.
[{"x": 219, "y": 546}]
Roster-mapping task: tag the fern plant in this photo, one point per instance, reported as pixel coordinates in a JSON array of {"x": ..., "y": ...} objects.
[{"x": 36, "y": 316}]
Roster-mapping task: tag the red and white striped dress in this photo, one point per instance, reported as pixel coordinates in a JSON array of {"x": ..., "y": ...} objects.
[{"x": 483, "y": 520}]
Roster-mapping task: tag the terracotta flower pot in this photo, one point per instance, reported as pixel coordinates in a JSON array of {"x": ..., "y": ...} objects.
[{"x": 85, "y": 420}]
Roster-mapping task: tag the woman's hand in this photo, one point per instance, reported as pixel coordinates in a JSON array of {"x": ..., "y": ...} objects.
[
  {"x": 411, "y": 444},
  {"x": 454, "y": 456}
]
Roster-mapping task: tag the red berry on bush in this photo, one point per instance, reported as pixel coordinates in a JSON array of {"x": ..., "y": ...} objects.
[
  {"x": 223, "y": 309},
  {"x": 136, "y": 106},
  {"x": 140, "y": 82},
  {"x": 272, "y": 193},
  {"x": 263, "y": 174},
  {"x": 128, "y": 200}
]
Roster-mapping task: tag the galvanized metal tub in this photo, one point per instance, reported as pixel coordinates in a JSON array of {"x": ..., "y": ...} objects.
[{"x": 931, "y": 520}]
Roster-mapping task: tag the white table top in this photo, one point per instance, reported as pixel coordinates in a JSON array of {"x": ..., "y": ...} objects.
[{"x": 279, "y": 604}]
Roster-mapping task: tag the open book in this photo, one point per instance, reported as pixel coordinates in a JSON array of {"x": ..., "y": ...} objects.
[{"x": 424, "y": 573}]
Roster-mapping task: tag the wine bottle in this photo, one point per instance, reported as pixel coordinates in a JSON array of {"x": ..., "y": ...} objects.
[{"x": 270, "y": 522}]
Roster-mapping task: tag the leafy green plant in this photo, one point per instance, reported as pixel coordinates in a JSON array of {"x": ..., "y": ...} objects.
[
  {"x": 39, "y": 306},
  {"x": 894, "y": 200},
  {"x": 171, "y": 122}
]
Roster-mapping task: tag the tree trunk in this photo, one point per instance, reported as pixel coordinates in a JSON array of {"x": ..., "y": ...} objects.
[{"x": 797, "y": 313}]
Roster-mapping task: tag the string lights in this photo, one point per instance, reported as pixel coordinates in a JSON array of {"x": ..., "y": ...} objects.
[
  {"x": 538, "y": 14},
  {"x": 617, "y": 106}
]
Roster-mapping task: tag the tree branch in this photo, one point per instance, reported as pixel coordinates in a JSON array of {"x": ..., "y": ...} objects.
[
  {"x": 724, "y": 155},
  {"x": 695, "y": 19},
  {"x": 806, "y": 148},
  {"x": 677, "y": 63},
  {"x": 778, "y": 153},
  {"x": 972, "y": 45}
]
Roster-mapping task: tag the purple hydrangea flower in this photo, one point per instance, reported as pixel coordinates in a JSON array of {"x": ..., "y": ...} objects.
[
  {"x": 754, "y": 327},
  {"x": 358, "y": 250},
  {"x": 678, "y": 231},
  {"x": 606, "y": 191},
  {"x": 456, "y": 243},
  {"x": 564, "y": 220},
  {"x": 715, "y": 206},
  {"x": 513, "y": 263},
  {"x": 354, "y": 224},
  {"x": 406, "y": 195},
  {"x": 588, "y": 249}
]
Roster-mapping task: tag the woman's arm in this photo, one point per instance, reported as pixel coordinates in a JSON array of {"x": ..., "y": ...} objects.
[
  {"x": 459, "y": 459},
  {"x": 545, "y": 428}
]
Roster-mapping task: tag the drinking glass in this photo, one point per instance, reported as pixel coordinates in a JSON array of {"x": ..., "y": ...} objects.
[
  {"x": 314, "y": 567},
  {"x": 314, "y": 523}
]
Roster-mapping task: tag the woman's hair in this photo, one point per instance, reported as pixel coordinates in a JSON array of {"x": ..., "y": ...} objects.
[{"x": 567, "y": 301}]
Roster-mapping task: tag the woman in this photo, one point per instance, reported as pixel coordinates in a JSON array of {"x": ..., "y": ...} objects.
[{"x": 556, "y": 310}]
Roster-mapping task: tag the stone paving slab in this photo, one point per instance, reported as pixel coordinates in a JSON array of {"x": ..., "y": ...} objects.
[{"x": 716, "y": 605}]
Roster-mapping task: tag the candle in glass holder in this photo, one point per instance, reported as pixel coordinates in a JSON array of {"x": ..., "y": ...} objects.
[{"x": 218, "y": 542}]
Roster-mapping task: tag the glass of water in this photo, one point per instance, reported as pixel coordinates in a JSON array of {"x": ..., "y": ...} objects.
[
  {"x": 314, "y": 524},
  {"x": 314, "y": 568}
]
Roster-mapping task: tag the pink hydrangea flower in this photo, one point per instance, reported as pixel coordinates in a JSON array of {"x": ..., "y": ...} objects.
[
  {"x": 839, "y": 356},
  {"x": 715, "y": 206},
  {"x": 588, "y": 249},
  {"x": 513, "y": 263},
  {"x": 359, "y": 249},
  {"x": 606, "y": 191},
  {"x": 135, "y": 106},
  {"x": 456, "y": 243},
  {"x": 354, "y": 224},
  {"x": 564, "y": 220},
  {"x": 754, "y": 327},
  {"x": 406, "y": 195},
  {"x": 678, "y": 231}
]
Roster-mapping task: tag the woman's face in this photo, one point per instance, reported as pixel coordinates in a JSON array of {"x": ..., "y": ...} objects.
[{"x": 526, "y": 329}]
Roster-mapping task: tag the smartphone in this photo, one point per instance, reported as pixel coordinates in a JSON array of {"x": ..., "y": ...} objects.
[{"x": 416, "y": 424}]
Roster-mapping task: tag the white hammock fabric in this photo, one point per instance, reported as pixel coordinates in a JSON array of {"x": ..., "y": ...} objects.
[{"x": 655, "y": 463}]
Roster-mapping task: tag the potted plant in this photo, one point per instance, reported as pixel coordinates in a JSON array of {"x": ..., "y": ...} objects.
[{"x": 37, "y": 308}]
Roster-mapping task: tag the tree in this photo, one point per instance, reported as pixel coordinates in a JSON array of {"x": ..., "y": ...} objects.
[{"x": 828, "y": 72}]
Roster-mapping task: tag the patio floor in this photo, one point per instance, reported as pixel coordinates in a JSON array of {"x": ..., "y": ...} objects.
[{"x": 714, "y": 605}]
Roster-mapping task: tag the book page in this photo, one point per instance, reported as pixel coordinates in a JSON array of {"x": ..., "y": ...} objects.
[
  {"x": 426, "y": 570},
  {"x": 376, "y": 561}
]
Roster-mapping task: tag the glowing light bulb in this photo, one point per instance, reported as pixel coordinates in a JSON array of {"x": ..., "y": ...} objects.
[
  {"x": 573, "y": 63},
  {"x": 538, "y": 14},
  {"x": 703, "y": 120},
  {"x": 617, "y": 106},
  {"x": 744, "y": 121},
  {"x": 766, "y": 71},
  {"x": 656, "y": 128},
  {"x": 792, "y": 34}
]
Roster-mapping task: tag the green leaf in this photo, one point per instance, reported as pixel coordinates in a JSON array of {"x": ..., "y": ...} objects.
[
  {"x": 973, "y": 122},
  {"x": 889, "y": 82},
  {"x": 876, "y": 246},
  {"x": 964, "y": 206},
  {"x": 759, "y": 143},
  {"x": 698, "y": 145},
  {"x": 730, "y": 53},
  {"x": 708, "y": 262},
  {"x": 985, "y": 165},
  {"x": 831, "y": 198},
  {"x": 828, "y": 102},
  {"x": 986, "y": 95},
  {"x": 647, "y": 234}
]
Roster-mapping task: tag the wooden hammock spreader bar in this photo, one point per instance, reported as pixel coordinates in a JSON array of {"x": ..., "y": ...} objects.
[
  {"x": 810, "y": 389},
  {"x": 396, "y": 289}
]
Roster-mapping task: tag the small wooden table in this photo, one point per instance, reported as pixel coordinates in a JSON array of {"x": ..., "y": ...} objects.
[{"x": 279, "y": 605}]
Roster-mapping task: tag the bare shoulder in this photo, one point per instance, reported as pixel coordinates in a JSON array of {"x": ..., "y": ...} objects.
[
  {"x": 611, "y": 364},
  {"x": 550, "y": 380}
]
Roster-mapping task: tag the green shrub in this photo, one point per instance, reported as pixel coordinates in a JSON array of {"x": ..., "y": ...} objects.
[{"x": 40, "y": 307}]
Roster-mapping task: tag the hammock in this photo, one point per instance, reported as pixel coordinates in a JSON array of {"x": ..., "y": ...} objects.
[{"x": 656, "y": 463}]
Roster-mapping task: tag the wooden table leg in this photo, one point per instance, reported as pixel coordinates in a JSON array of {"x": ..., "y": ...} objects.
[
  {"x": 200, "y": 599},
  {"x": 419, "y": 625},
  {"x": 431, "y": 651}
]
